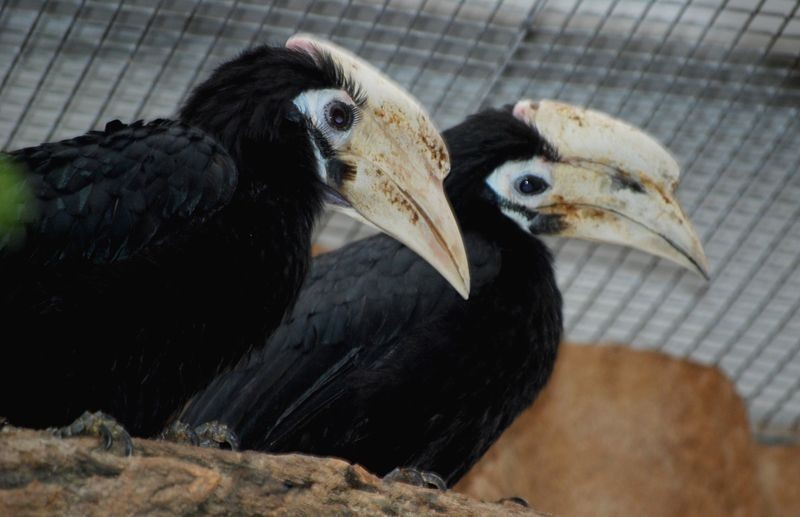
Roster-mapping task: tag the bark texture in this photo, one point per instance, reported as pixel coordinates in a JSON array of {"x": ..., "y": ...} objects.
[{"x": 44, "y": 475}]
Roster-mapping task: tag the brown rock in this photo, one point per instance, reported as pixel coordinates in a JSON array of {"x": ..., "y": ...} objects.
[
  {"x": 625, "y": 432},
  {"x": 779, "y": 473},
  {"x": 43, "y": 475}
]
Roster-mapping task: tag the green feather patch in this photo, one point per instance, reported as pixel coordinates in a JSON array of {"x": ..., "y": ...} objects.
[{"x": 16, "y": 203}]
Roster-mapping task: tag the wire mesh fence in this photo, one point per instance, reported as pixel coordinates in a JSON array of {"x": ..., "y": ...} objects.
[{"x": 718, "y": 81}]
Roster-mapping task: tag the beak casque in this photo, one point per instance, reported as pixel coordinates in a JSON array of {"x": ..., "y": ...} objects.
[
  {"x": 613, "y": 183},
  {"x": 400, "y": 162}
]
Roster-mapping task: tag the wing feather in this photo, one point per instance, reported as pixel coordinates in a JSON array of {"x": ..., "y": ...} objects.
[{"x": 107, "y": 195}]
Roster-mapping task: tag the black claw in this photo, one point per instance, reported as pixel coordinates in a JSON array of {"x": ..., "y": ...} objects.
[
  {"x": 434, "y": 480},
  {"x": 127, "y": 445},
  {"x": 105, "y": 435},
  {"x": 412, "y": 476},
  {"x": 515, "y": 500},
  {"x": 101, "y": 425},
  {"x": 214, "y": 434}
]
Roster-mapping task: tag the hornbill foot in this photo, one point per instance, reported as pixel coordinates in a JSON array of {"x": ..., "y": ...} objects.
[
  {"x": 215, "y": 435},
  {"x": 514, "y": 500},
  {"x": 98, "y": 424},
  {"x": 179, "y": 432},
  {"x": 412, "y": 476}
]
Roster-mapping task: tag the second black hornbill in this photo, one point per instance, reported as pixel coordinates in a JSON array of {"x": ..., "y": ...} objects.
[
  {"x": 380, "y": 363},
  {"x": 147, "y": 257}
]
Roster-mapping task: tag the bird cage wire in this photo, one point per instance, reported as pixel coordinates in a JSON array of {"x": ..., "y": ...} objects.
[{"x": 717, "y": 81}]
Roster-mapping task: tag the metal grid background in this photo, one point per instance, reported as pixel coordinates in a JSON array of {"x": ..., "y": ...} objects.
[{"x": 716, "y": 80}]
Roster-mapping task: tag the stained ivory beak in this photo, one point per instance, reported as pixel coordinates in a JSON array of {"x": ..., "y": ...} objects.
[{"x": 613, "y": 183}]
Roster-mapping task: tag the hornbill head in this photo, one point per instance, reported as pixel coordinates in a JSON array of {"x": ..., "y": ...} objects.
[
  {"x": 381, "y": 155},
  {"x": 596, "y": 178},
  {"x": 373, "y": 148}
]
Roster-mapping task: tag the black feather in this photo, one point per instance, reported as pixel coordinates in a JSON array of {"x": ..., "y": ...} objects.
[
  {"x": 161, "y": 251},
  {"x": 381, "y": 362}
]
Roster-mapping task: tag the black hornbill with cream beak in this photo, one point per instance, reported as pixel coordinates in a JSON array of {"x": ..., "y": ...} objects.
[
  {"x": 147, "y": 257},
  {"x": 381, "y": 364}
]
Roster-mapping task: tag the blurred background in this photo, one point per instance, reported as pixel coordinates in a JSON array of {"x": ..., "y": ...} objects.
[{"x": 717, "y": 81}]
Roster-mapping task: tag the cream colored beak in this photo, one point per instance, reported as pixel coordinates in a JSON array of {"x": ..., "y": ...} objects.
[{"x": 613, "y": 183}]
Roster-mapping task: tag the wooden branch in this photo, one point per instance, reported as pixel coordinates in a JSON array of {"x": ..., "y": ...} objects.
[{"x": 41, "y": 474}]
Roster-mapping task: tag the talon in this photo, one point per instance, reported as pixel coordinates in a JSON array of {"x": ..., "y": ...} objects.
[
  {"x": 179, "y": 432},
  {"x": 514, "y": 500},
  {"x": 214, "y": 434},
  {"x": 105, "y": 435},
  {"x": 98, "y": 424},
  {"x": 412, "y": 476}
]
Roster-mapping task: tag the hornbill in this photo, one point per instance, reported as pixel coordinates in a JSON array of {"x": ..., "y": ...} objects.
[
  {"x": 381, "y": 364},
  {"x": 149, "y": 256}
]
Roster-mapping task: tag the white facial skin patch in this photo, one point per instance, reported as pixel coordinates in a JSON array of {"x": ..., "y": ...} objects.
[
  {"x": 505, "y": 179},
  {"x": 313, "y": 105}
]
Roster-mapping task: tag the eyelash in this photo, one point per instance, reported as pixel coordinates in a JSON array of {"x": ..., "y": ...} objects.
[{"x": 355, "y": 112}]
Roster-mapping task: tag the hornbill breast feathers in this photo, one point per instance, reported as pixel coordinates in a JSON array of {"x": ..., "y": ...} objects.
[
  {"x": 147, "y": 256},
  {"x": 381, "y": 364}
]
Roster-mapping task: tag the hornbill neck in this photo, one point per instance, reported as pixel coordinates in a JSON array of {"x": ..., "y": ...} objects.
[
  {"x": 523, "y": 294},
  {"x": 247, "y": 105},
  {"x": 479, "y": 145}
]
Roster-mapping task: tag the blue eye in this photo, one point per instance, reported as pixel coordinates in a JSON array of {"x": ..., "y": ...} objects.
[{"x": 531, "y": 185}]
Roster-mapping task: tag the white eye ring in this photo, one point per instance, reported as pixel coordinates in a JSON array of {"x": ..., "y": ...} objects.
[
  {"x": 316, "y": 105},
  {"x": 506, "y": 179}
]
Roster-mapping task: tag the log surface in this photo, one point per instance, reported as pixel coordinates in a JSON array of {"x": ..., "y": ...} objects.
[{"x": 42, "y": 474}]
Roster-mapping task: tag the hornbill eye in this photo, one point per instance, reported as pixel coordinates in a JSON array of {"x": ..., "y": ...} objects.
[
  {"x": 339, "y": 115},
  {"x": 531, "y": 185}
]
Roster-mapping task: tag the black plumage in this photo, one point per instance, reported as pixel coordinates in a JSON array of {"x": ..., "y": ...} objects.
[
  {"x": 382, "y": 364},
  {"x": 160, "y": 252}
]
